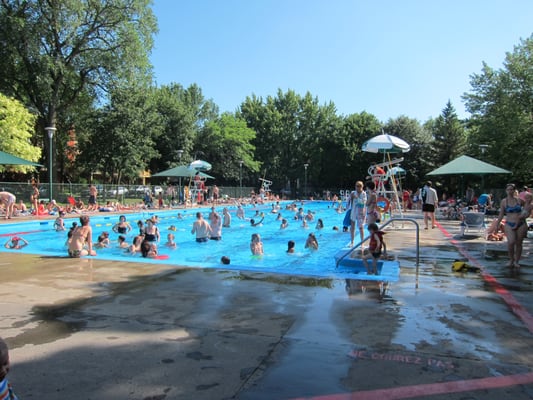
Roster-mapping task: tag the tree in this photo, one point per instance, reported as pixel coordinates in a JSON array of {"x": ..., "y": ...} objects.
[
  {"x": 357, "y": 129},
  {"x": 225, "y": 142},
  {"x": 184, "y": 113},
  {"x": 501, "y": 105},
  {"x": 16, "y": 127},
  {"x": 119, "y": 139},
  {"x": 51, "y": 52},
  {"x": 449, "y": 136}
]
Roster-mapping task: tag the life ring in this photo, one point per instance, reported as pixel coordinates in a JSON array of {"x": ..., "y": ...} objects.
[{"x": 383, "y": 204}]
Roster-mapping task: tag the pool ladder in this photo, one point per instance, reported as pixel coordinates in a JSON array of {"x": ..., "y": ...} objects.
[{"x": 390, "y": 221}]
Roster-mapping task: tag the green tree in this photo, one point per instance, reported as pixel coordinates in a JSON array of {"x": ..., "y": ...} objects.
[
  {"x": 449, "y": 136},
  {"x": 501, "y": 104},
  {"x": 119, "y": 139},
  {"x": 357, "y": 129},
  {"x": 51, "y": 52},
  {"x": 225, "y": 142},
  {"x": 184, "y": 112},
  {"x": 16, "y": 128}
]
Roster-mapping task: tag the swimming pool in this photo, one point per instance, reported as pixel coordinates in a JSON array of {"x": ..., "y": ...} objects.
[{"x": 235, "y": 243}]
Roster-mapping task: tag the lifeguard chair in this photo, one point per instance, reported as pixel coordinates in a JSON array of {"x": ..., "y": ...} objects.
[
  {"x": 265, "y": 185},
  {"x": 381, "y": 174}
]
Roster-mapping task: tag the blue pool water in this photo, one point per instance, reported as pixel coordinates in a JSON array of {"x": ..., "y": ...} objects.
[{"x": 235, "y": 243}]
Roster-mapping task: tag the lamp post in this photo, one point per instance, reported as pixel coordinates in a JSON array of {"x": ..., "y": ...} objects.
[
  {"x": 50, "y": 130},
  {"x": 483, "y": 148},
  {"x": 240, "y": 175},
  {"x": 305, "y": 182}
]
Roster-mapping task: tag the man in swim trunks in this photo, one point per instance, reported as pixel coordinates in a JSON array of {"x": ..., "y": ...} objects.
[
  {"x": 9, "y": 200},
  {"x": 93, "y": 193},
  {"x": 201, "y": 228},
  {"x": 81, "y": 242}
]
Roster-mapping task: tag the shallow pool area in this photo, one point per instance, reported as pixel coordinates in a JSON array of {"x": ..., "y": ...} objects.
[{"x": 235, "y": 243}]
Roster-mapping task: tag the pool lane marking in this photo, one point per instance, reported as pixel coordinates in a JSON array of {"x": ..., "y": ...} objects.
[
  {"x": 517, "y": 308},
  {"x": 21, "y": 233},
  {"x": 429, "y": 389}
]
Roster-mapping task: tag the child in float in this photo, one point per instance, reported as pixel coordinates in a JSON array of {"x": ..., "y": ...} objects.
[
  {"x": 6, "y": 391},
  {"x": 16, "y": 243},
  {"x": 375, "y": 248},
  {"x": 256, "y": 245}
]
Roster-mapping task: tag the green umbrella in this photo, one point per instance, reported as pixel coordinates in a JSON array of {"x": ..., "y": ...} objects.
[{"x": 9, "y": 159}]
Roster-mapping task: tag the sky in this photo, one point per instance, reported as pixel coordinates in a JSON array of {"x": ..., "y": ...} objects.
[{"x": 385, "y": 57}]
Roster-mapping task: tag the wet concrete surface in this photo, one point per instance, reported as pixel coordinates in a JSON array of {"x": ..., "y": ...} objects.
[{"x": 90, "y": 329}]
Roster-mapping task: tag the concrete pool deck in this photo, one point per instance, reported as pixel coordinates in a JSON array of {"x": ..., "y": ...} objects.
[{"x": 93, "y": 329}]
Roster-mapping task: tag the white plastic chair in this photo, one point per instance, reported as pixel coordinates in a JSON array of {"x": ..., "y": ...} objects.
[{"x": 473, "y": 221}]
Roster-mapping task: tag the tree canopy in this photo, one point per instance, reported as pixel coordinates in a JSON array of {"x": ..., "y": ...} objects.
[{"x": 16, "y": 129}]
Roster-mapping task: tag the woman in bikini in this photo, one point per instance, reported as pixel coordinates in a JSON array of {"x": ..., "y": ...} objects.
[
  {"x": 81, "y": 241},
  {"x": 515, "y": 229}
]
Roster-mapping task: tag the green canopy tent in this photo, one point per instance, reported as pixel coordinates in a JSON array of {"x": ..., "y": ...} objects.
[
  {"x": 9, "y": 159},
  {"x": 182, "y": 171},
  {"x": 465, "y": 165}
]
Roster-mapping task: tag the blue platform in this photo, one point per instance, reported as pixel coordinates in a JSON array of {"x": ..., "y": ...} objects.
[{"x": 387, "y": 270}]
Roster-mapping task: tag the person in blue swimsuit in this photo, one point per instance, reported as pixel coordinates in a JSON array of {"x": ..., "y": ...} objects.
[{"x": 515, "y": 229}]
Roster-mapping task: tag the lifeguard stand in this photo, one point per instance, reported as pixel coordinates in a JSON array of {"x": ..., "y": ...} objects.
[
  {"x": 265, "y": 185},
  {"x": 380, "y": 174},
  {"x": 196, "y": 189}
]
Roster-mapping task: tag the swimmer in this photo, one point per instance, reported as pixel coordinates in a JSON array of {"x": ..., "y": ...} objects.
[
  {"x": 290, "y": 246},
  {"x": 16, "y": 243},
  {"x": 256, "y": 245},
  {"x": 170, "y": 241}
]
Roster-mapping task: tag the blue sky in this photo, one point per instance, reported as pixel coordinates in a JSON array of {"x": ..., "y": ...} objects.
[{"x": 388, "y": 57}]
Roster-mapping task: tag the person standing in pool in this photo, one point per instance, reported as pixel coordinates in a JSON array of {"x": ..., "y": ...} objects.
[
  {"x": 216, "y": 226},
  {"x": 227, "y": 218},
  {"x": 81, "y": 241},
  {"x": 515, "y": 229},
  {"x": 256, "y": 245},
  {"x": 201, "y": 228},
  {"x": 122, "y": 226}
]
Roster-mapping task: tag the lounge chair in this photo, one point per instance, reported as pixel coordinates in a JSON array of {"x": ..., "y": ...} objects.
[{"x": 473, "y": 221}]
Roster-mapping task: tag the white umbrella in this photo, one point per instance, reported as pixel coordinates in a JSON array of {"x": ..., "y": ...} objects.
[
  {"x": 200, "y": 165},
  {"x": 386, "y": 144}
]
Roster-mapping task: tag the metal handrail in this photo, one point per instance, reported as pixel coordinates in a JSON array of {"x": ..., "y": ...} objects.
[{"x": 390, "y": 221}]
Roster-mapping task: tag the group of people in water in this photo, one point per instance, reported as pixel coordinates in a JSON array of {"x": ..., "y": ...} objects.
[{"x": 361, "y": 210}]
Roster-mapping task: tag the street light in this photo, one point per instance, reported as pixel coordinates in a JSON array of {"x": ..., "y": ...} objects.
[
  {"x": 50, "y": 130},
  {"x": 305, "y": 182},
  {"x": 483, "y": 148},
  {"x": 240, "y": 175},
  {"x": 180, "y": 153}
]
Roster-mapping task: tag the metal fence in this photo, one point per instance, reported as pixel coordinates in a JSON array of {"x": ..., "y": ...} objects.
[{"x": 122, "y": 193}]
